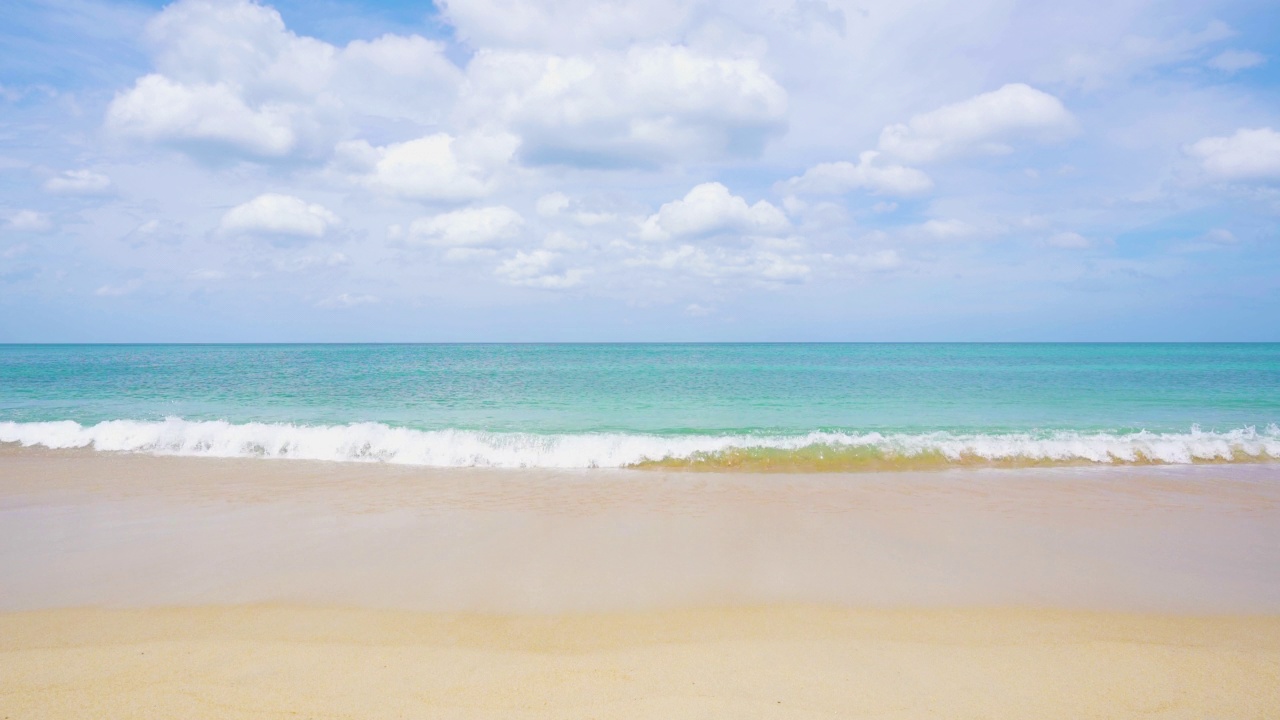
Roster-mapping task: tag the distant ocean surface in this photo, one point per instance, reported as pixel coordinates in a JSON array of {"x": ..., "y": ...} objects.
[{"x": 803, "y": 407}]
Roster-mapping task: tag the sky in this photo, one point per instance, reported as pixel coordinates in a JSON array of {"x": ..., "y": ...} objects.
[{"x": 639, "y": 170}]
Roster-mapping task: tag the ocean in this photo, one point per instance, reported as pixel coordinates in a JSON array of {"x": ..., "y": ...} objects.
[{"x": 793, "y": 407}]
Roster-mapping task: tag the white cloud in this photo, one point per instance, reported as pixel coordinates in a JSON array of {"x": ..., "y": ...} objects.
[
  {"x": 158, "y": 109},
  {"x": 467, "y": 227},
  {"x": 435, "y": 167},
  {"x": 346, "y": 300},
  {"x": 395, "y": 76},
  {"x": 841, "y": 177},
  {"x": 1249, "y": 154},
  {"x": 1070, "y": 241},
  {"x": 696, "y": 310},
  {"x": 552, "y": 204},
  {"x": 231, "y": 77},
  {"x": 1231, "y": 61},
  {"x": 947, "y": 229},
  {"x": 652, "y": 105},
  {"x": 275, "y": 214},
  {"x": 983, "y": 124},
  {"x": 78, "y": 182},
  {"x": 710, "y": 209},
  {"x": 29, "y": 221},
  {"x": 538, "y": 269}
]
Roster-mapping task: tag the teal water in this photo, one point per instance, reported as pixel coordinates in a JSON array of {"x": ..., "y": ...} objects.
[{"x": 621, "y": 404}]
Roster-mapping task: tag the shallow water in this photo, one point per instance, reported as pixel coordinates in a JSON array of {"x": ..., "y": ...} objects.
[{"x": 789, "y": 407}]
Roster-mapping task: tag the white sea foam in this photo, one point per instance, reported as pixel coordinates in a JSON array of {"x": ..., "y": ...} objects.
[{"x": 375, "y": 442}]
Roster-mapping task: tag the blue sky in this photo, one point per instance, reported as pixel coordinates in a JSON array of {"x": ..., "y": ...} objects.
[{"x": 563, "y": 170}]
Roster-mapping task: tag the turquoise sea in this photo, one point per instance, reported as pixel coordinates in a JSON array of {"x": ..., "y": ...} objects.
[{"x": 756, "y": 406}]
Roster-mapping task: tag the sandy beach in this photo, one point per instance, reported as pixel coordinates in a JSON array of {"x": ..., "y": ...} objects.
[
  {"x": 291, "y": 661},
  {"x": 141, "y": 586}
]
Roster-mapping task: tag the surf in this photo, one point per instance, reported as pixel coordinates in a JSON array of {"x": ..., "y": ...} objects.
[{"x": 817, "y": 451}]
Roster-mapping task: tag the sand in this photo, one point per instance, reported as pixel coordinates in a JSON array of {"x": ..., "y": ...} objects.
[
  {"x": 170, "y": 587},
  {"x": 270, "y": 661}
]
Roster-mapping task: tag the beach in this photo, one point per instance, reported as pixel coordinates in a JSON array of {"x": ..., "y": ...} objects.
[
  {"x": 148, "y": 586},
  {"x": 300, "y": 661},
  {"x": 652, "y": 359}
]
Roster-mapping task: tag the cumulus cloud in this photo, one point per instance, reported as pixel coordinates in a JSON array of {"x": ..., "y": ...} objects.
[
  {"x": 231, "y": 77},
  {"x": 29, "y": 221},
  {"x": 78, "y": 182},
  {"x": 467, "y": 227},
  {"x": 539, "y": 269},
  {"x": 840, "y": 177},
  {"x": 1231, "y": 61},
  {"x": 435, "y": 167},
  {"x": 650, "y": 105},
  {"x": 158, "y": 109},
  {"x": 710, "y": 209},
  {"x": 275, "y": 214},
  {"x": 1249, "y": 154},
  {"x": 982, "y": 125}
]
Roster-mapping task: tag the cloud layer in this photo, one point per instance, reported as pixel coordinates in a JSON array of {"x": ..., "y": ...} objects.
[{"x": 801, "y": 169}]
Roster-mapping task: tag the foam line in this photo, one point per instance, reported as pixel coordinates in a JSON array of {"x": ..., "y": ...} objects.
[{"x": 375, "y": 442}]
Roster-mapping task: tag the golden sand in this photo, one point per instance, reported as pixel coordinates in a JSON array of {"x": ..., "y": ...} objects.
[{"x": 792, "y": 662}]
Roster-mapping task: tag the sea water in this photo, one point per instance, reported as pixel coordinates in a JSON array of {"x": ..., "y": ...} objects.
[{"x": 750, "y": 406}]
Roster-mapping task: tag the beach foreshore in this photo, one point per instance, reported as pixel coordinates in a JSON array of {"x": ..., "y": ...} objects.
[
  {"x": 148, "y": 586},
  {"x": 777, "y": 662}
]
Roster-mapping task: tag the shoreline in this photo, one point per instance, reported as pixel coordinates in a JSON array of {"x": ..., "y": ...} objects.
[{"x": 714, "y": 451}]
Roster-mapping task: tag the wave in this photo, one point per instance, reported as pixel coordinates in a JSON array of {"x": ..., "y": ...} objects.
[{"x": 816, "y": 451}]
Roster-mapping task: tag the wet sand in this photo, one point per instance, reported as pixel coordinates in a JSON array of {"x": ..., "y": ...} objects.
[{"x": 170, "y": 587}]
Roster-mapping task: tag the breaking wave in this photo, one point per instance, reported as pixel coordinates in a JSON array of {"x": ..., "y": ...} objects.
[{"x": 816, "y": 451}]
